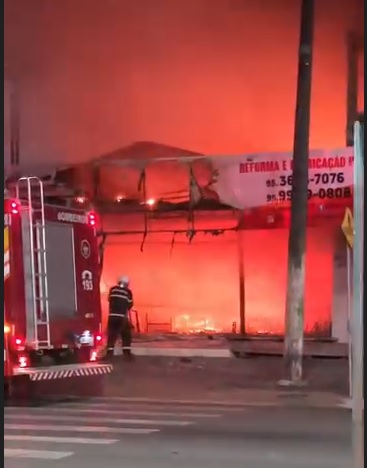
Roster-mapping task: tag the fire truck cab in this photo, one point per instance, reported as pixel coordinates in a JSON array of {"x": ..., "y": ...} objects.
[{"x": 52, "y": 307}]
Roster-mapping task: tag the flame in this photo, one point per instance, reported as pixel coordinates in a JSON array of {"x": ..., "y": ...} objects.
[
  {"x": 187, "y": 324},
  {"x": 150, "y": 202}
]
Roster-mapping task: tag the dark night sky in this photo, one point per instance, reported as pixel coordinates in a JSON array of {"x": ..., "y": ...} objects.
[{"x": 216, "y": 76}]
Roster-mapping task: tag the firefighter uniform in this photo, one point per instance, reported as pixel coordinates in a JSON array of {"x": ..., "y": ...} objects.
[{"x": 120, "y": 300}]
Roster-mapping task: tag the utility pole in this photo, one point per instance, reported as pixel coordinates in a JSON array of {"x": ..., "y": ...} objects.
[
  {"x": 14, "y": 125},
  {"x": 294, "y": 318},
  {"x": 14, "y": 118},
  {"x": 355, "y": 49},
  {"x": 352, "y": 86}
]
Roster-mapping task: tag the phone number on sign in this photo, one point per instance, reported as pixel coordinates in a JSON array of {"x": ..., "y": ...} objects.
[
  {"x": 322, "y": 193},
  {"x": 319, "y": 178}
]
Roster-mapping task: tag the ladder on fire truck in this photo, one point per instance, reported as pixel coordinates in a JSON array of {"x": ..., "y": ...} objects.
[{"x": 34, "y": 197}]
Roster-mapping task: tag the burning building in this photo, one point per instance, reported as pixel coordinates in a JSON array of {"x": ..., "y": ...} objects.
[
  {"x": 204, "y": 239},
  {"x": 218, "y": 77}
]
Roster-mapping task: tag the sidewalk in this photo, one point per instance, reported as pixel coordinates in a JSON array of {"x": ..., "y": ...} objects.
[
  {"x": 222, "y": 347},
  {"x": 250, "y": 381},
  {"x": 181, "y": 346}
]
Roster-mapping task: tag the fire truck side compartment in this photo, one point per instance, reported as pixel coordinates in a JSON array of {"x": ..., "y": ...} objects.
[
  {"x": 61, "y": 278},
  {"x": 29, "y": 290},
  {"x": 61, "y": 281}
]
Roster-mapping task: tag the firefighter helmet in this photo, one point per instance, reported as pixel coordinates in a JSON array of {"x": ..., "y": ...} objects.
[{"x": 124, "y": 280}]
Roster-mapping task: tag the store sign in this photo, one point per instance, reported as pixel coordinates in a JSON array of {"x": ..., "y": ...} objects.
[{"x": 259, "y": 180}]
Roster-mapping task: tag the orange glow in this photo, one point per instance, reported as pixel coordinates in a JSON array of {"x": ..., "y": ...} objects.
[
  {"x": 7, "y": 329},
  {"x": 211, "y": 80},
  {"x": 193, "y": 287},
  {"x": 215, "y": 79},
  {"x": 150, "y": 202}
]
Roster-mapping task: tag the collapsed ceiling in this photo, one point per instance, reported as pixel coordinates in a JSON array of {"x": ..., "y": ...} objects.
[{"x": 147, "y": 174}]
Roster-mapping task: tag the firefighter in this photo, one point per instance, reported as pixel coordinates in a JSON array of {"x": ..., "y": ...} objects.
[{"x": 120, "y": 300}]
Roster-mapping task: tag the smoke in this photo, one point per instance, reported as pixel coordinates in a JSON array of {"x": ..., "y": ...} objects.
[{"x": 218, "y": 77}]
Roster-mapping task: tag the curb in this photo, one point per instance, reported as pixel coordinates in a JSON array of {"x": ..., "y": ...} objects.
[
  {"x": 347, "y": 403},
  {"x": 230, "y": 404},
  {"x": 178, "y": 352},
  {"x": 185, "y": 402}
]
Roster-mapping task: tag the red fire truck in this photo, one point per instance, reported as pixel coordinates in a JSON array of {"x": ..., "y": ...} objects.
[{"x": 52, "y": 307}]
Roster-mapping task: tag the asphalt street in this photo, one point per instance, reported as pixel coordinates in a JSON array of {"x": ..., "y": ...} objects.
[{"x": 117, "y": 432}]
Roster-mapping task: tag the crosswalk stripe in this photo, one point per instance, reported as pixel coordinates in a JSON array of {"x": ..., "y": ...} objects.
[
  {"x": 37, "y": 454},
  {"x": 89, "y": 409},
  {"x": 186, "y": 405},
  {"x": 100, "y": 429},
  {"x": 143, "y": 422},
  {"x": 170, "y": 402},
  {"x": 149, "y": 407},
  {"x": 60, "y": 440}
]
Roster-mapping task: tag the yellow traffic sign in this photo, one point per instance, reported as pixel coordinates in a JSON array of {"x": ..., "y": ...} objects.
[{"x": 348, "y": 227}]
